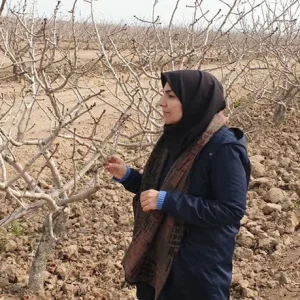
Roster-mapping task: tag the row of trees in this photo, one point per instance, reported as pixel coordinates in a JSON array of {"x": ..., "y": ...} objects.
[{"x": 253, "y": 49}]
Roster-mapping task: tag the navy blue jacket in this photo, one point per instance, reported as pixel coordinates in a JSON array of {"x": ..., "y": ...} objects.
[{"x": 212, "y": 210}]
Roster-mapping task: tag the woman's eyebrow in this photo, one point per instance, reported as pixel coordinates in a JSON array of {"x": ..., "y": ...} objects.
[{"x": 168, "y": 91}]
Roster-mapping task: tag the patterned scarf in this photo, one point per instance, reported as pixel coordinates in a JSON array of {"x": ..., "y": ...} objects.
[{"x": 157, "y": 236}]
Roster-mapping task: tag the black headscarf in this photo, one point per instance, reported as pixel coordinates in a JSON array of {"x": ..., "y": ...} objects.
[{"x": 201, "y": 95}]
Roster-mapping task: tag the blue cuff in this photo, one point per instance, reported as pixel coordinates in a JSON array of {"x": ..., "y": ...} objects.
[
  {"x": 161, "y": 199},
  {"x": 125, "y": 177}
]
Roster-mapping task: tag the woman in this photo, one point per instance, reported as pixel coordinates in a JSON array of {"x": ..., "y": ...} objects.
[{"x": 191, "y": 196}]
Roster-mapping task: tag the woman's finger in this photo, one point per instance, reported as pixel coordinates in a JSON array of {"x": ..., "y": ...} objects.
[
  {"x": 116, "y": 159},
  {"x": 110, "y": 160},
  {"x": 113, "y": 166},
  {"x": 146, "y": 207},
  {"x": 144, "y": 197},
  {"x": 144, "y": 201}
]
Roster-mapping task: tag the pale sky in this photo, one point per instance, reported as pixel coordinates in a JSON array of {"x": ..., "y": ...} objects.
[{"x": 124, "y": 10}]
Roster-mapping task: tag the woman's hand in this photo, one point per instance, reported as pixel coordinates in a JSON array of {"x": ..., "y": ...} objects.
[
  {"x": 116, "y": 167},
  {"x": 149, "y": 200}
]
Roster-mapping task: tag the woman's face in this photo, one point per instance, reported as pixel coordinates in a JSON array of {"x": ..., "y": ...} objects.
[{"x": 171, "y": 106}]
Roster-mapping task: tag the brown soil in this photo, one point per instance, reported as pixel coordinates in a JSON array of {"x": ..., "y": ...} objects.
[{"x": 87, "y": 261}]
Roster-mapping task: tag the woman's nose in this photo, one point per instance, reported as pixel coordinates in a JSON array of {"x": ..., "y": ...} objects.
[{"x": 162, "y": 101}]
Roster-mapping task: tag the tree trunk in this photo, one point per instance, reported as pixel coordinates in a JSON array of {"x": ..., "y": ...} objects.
[
  {"x": 45, "y": 248},
  {"x": 2, "y": 6}
]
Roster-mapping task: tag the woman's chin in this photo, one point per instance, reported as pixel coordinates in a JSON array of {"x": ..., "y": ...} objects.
[{"x": 167, "y": 122}]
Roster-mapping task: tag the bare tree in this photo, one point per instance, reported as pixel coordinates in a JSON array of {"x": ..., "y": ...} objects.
[
  {"x": 253, "y": 49},
  {"x": 46, "y": 177},
  {"x": 3, "y": 2}
]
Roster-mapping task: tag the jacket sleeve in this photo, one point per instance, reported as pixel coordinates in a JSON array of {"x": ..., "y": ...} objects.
[
  {"x": 229, "y": 184},
  {"x": 133, "y": 181}
]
